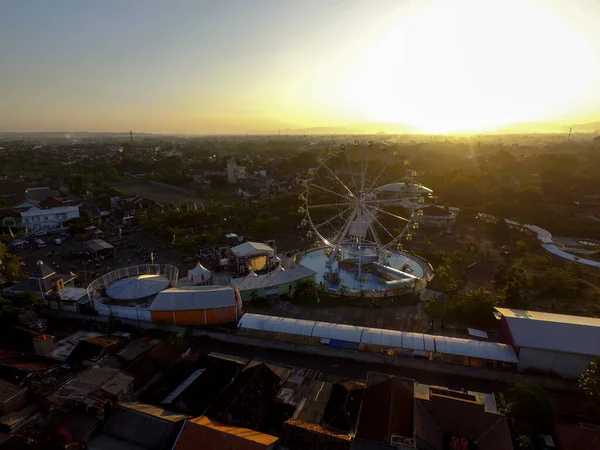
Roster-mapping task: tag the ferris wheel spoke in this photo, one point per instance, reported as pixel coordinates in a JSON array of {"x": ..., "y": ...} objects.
[
  {"x": 384, "y": 228},
  {"x": 332, "y": 218},
  {"x": 328, "y": 205},
  {"x": 340, "y": 181},
  {"x": 390, "y": 214},
  {"x": 351, "y": 172},
  {"x": 379, "y": 175},
  {"x": 328, "y": 190}
]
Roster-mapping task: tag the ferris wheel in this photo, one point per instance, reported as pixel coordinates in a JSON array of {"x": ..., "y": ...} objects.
[{"x": 361, "y": 201}]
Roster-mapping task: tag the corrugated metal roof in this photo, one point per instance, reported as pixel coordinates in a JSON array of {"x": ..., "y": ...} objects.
[
  {"x": 475, "y": 349},
  {"x": 154, "y": 411},
  {"x": 277, "y": 324},
  {"x": 251, "y": 248},
  {"x": 375, "y": 336},
  {"x": 557, "y": 332},
  {"x": 348, "y": 333},
  {"x": 194, "y": 297},
  {"x": 275, "y": 278}
]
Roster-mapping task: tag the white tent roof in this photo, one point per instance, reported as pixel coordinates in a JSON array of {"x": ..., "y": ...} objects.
[
  {"x": 402, "y": 187},
  {"x": 272, "y": 279},
  {"x": 197, "y": 272},
  {"x": 375, "y": 336},
  {"x": 251, "y": 248},
  {"x": 194, "y": 297},
  {"x": 252, "y": 274},
  {"x": 137, "y": 287}
]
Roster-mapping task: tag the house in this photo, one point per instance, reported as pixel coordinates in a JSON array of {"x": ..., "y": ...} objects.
[
  {"x": 217, "y": 435},
  {"x": 325, "y": 417},
  {"x": 93, "y": 390},
  {"x": 72, "y": 299},
  {"x": 235, "y": 172},
  {"x": 43, "y": 282},
  {"x": 40, "y": 194},
  {"x": 397, "y": 413},
  {"x": 467, "y": 419},
  {"x": 12, "y": 397},
  {"x": 136, "y": 425},
  {"x": 546, "y": 342},
  {"x": 434, "y": 216},
  {"x": 194, "y": 383},
  {"x": 576, "y": 435},
  {"x": 36, "y": 219},
  {"x": 246, "y": 400}
]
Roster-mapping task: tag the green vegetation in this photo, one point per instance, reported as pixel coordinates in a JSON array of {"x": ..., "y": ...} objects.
[
  {"x": 590, "y": 383},
  {"x": 529, "y": 411}
]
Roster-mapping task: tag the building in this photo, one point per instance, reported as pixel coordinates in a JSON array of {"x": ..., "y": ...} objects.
[
  {"x": 546, "y": 342},
  {"x": 276, "y": 283},
  {"x": 576, "y": 435},
  {"x": 252, "y": 257},
  {"x": 217, "y": 435},
  {"x": 466, "y": 419},
  {"x": 72, "y": 299},
  {"x": 235, "y": 172},
  {"x": 196, "y": 305},
  {"x": 397, "y": 413},
  {"x": 44, "y": 282},
  {"x": 91, "y": 391},
  {"x": 40, "y": 194},
  {"x": 434, "y": 216},
  {"x": 12, "y": 397},
  {"x": 44, "y": 220},
  {"x": 392, "y": 343},
  {"x": 139, "y": 426}
]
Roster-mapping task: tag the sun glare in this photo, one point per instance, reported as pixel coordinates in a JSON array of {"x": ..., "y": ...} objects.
[{"x": 471, "y": 65}]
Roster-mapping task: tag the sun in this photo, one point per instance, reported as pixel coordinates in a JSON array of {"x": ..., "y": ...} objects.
[{"x": 470, "y": 65}]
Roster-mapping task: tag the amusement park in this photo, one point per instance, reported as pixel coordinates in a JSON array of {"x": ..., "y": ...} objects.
[{"x": 361, "y": 203}]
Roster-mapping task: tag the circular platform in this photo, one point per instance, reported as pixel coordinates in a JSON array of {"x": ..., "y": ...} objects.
[
  {"x": 140, "y": 286},
  {"x": 398, "y": 269}
]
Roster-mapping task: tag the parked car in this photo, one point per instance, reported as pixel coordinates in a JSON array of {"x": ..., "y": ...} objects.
[{"x": 40, "y": 244}]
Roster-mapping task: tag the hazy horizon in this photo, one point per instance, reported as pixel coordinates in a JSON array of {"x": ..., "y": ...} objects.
[{"x": 195, "y": 67}]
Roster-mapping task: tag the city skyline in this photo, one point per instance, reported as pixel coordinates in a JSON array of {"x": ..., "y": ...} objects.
[{"x": 238, "y": 67}]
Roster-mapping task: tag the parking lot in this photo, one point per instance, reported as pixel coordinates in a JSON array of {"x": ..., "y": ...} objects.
[{"x": 131, "y": 249}]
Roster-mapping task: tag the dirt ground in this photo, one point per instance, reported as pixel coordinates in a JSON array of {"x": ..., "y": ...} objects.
[
  {"x": 156, "y": 193},
  {"x": 406, "y": 318}
]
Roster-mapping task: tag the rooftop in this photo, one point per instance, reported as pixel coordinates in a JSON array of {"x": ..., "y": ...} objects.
[
  {"x": 9, "y": 390},
  {"x": 251, "y": 249},
  {"x": 274, "y": 278},
  {"x": 558, "y": 332},
  {"x": 387, "y": 409},
  {"x": 97, "y": 245},
  {"x": 194, "y": 297},
  {"x": 217, "y": 435}
]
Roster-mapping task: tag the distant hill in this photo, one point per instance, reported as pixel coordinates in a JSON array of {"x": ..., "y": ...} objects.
[
  {"x": 366, "y": 128},
  {"x": 548, "y": 127}
]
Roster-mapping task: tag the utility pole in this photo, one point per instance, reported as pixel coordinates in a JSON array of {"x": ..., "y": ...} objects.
[
  {"x": 131, "y": 136},
  {"x": 570, "y": 129}
]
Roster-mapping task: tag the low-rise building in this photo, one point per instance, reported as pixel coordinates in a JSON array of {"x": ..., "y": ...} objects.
[
  {"x": 43, "y": 220},
  {"x": 235, "y": 172},
  {"x": 276, "y": 283},
  {"x": 546, "y": 342}
]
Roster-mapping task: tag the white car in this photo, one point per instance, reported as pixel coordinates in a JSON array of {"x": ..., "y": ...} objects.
[{"x": 40, "y": 244}]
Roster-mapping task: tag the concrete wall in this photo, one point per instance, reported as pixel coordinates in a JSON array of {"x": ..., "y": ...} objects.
[{"x": 568, "y": 365}]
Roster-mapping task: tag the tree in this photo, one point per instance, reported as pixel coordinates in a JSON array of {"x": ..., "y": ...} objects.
[
  {"x": 589, "y": 381},
  {"x": 528, "y": 408}
]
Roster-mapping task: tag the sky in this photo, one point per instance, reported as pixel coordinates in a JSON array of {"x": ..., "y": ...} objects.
[{"x": 257, "y": 66}]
